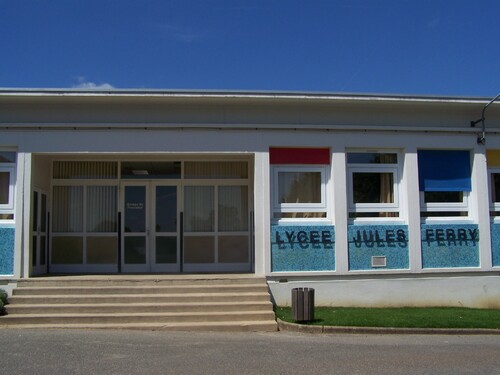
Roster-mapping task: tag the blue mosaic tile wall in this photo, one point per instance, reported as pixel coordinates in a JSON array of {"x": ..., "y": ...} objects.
[
  {"x": 366, "y": 241},
  {"x": 7, "y": 249},
  {"x": 495, "y": 244},
  {"x": 302, "y": 248},
  {"x": 450, "y": 245}
]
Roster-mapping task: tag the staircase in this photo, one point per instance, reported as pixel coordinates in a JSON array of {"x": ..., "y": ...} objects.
[{"x": 151, "y": 302}]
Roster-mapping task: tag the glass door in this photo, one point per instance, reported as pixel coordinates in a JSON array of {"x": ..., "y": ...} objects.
[
  {"x": 39, "y": 233},
  {"x": 150, "y": 227},
  {"x": 165, "y": 231}
]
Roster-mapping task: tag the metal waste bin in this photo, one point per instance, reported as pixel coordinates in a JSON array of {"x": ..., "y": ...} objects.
[{"x": 303, "y": 304}]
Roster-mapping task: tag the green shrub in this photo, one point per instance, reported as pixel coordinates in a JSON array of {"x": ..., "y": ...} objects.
[
  {"x": 3, "y": 296},
  {"x": 2, "y": 309}
]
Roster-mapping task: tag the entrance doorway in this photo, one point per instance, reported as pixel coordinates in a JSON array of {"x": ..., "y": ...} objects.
[
  {"x": 159, "y": 216},
  {"x": 151, "y": 229},
  {"x": 171, "y": 227}
]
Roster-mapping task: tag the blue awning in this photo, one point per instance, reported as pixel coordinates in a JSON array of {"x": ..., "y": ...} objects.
[{"x": 444, "y": 170}]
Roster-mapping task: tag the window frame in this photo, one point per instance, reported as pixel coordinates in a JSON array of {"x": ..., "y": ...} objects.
[
  {"x": 446, "y": 207},
  {"x": 494, "y": 206},
  {"x": 278, "y": 208},
  {"x": 8, "y": 208},
  {"x": 394, "y": 168}
]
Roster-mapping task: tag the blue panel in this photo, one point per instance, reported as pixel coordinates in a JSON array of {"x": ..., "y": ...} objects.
[
  {"x": 495, "y": 244},
  {"x": 7, "y": 250},
  {"x": 366, "y": 241},
  {"x": 450, "y": 245},
  {"x": 444, "y": 170},
  {"x": 302, "y": 248}
]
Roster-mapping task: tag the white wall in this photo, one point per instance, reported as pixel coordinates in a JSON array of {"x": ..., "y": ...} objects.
[{"x": 460, "y": 291}]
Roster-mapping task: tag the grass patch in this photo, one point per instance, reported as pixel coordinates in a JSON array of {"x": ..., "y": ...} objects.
[{"x": 408, "y": 317}]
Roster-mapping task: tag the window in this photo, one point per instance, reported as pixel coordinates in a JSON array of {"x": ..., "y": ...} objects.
[
  {"x": 7, "y": 184},
  {"x": 494, "y": 192},
  {"x": 444, "y": 182},
  {"x": 84, "y": 212},
  {"x": 493, "y": 161},
  {"x": 373, "y": 184},
  {"x": 299, "y": 178},
  {"x": 299, "y": 192}
]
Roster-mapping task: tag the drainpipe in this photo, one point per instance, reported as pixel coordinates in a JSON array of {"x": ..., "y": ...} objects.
[{"x": 481, "y": 138}]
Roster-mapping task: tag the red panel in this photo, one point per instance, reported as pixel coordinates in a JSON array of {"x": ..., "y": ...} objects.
[{"x": 298, "y": 155}]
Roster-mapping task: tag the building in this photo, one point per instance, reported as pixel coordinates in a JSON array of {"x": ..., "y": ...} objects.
[{"x": 371, "y": 199}]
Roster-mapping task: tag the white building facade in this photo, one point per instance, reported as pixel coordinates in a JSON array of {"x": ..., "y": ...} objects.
[{"x": 371, "y": 200}]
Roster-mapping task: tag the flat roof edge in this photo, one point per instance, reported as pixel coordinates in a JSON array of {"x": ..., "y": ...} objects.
[{"x": 228, "y": 94}]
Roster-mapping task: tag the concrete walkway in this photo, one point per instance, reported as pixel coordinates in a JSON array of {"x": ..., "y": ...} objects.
[{"x": 44, "y": 352}]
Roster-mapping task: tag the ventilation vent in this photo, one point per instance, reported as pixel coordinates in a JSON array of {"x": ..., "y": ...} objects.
[{"x": 379, "y": 261}]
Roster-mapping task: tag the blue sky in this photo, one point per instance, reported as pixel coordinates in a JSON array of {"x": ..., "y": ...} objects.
[{"x": 431, "y": 47}]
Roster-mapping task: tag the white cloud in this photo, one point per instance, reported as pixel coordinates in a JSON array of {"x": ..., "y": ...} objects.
[
  {"x": 84, "y": 84},
  {"x": 181, "y": 34}
]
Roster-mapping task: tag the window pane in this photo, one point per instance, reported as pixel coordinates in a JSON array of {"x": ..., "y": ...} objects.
[
  {"x": 85, "y": 169},
  {"x": 299, "y": 187},
  {"x": 33, "y": 250},
  {"x": 135, "y": 209},
  {"x": 233, "y": 249},
  {"x": 299, "y": 215},
  {"x": 68, "y": 209},
  {"x": 7, "y": 157},
  {"x": 43, "y": 250},
  {"x": 150, "y": 169},
  {"x": 371, "y": 158},
  {"x": 373, "y": 187},
  {"x": 199, "y": 208},
  {"x": 199, "y": 249},
  {"x": 166, "y": 209},
  {"x": 216, "y": 169},
  {"x": 101, "y": 209},
  {"x": 166, "y": 250},
  {"x": 4, "y": 187},
  {"x": 495, "y": 187},
  {"x": 233, "y": 208},
  {"x": 443, "y": 196},
  {"x": 43, "y": 214},
  {"x": 35, "y": 212},
  {"x": 135, "y": 250},
  {"x": 102, "y": 250},
  {"x": 67, "y": 250},
  {"x": 355, "y": 215},
  {"x": 442, "y": 213}
]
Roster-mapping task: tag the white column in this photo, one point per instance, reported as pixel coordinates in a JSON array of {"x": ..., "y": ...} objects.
[
  {"x": 411, "y": 202},
  {"x": 479, "y": 205},
  {"x": 25, "y": 222},
  {"x": 339, "y": 176},
  {"x": 262, "y": 214}
]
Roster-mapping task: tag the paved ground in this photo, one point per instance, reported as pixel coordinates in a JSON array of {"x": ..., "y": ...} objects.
[{"x": 139, "y": 352}]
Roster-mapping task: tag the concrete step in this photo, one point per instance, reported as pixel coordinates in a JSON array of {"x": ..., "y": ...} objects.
[
  {"x": 154, "y": 302},
  {"x": 138, "y": 280},
  {"x": 141, "y": 298},
  {"x": 231, "y": 326},
  {"x": 137, "y": 318},
  {"x": 64, "y": 290},
  {"x": 135, "y": 307}
]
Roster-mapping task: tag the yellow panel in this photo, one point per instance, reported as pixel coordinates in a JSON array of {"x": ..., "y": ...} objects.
[{"x": 493, "y": 158}]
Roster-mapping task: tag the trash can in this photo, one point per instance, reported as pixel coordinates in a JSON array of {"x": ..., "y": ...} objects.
[{"x": 303, "y": 304}]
